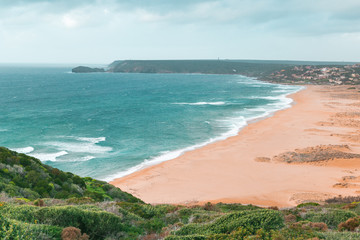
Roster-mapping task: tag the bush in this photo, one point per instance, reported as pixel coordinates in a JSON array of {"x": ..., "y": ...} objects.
[
  {"x": 72, "y": 233},
  {"x": 350, "y": 225},
  {"x": 305, "y": 225},
  {"x": 235, "y": 207},
  {"x": 190, "y": 237},
  {"x": 351, "y": 205},
  {"x": 250, "y": 219},
  {"x": 142, "y": 210},
  {"x": 90, "y": 220},
  {"x": 25, "y": 176},
  {"x": 11, "y": 229},
  {"x": 308, "y": 204},
  {"x": 332, "y": 217},
  {"x": 341, "y": 235},
  {"x": 290, "y": 218},
  {"x": 209, "y": 206},
  {"x": 39, "y": 203}
]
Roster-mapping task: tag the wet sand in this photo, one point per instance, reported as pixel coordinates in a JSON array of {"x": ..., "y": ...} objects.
[{"x": 265, "y": 164}]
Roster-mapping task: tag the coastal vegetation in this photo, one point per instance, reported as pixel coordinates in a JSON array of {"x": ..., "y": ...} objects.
[
  {"x": 27, "y": 177},
  {"x": 41, "y": 202}
]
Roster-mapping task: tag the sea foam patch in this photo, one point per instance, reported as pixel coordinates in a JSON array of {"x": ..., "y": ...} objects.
[
  {"x": 49, "y": 156},
  {"x": 202, "y": 103},
  {"x": 80, "y": 145},
  {"x": 25, "y": 150}
]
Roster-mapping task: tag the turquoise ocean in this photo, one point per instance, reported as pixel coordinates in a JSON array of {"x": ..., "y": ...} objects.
[{"x": 107, "y": 125}]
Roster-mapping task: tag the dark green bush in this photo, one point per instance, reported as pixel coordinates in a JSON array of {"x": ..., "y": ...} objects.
[
  {"x": 25, "y": 176},
  {"x": 96, "y": 223},
  {"x": 11, "y": 229},
  {"x": 332, "y": 217},
  {"x": 308, "y": 204},
  {"x": 248, "y": 219},
  {"x": 190, "y": 237},
  {"x": 235, "y": 207}
]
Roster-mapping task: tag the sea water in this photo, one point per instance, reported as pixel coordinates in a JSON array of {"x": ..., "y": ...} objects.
[{"x": 107, "y": 125}]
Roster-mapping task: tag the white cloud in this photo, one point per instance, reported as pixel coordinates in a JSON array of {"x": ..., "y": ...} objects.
[{"x": 69, "y": 21}]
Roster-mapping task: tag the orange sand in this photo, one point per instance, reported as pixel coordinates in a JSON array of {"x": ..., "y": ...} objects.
[{"x": 226, "y": 171}]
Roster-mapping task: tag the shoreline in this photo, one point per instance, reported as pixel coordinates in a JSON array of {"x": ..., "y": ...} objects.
[
  {"x": 179, "y": 152},
  {"x": 225, "y": 171}
]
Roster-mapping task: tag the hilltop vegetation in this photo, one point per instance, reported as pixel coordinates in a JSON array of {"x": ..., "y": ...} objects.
[
  {"x": 25, "y": 176},
  {"x": 41, "y": 202},
  {"x": 195, "y": 66}
]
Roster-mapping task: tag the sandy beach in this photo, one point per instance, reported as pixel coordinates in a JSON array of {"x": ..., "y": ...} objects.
[{"x": 308, "y": 152}]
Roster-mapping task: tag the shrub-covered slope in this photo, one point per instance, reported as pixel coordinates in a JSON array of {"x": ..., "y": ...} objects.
[
  {"x": 38, "y": 202},
  {"x": 25, "y": 176}
]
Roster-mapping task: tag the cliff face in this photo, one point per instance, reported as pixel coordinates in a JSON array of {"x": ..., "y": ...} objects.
[{"x": 82, "y": 69}]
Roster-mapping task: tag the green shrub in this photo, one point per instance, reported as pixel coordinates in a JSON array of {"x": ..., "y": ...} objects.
[
  {"x": 154, "y": 225},
  {"x": 332, "y": 217},
  {"x": 235, "y": 207},
  {"x": 94, "y": 222},
  {"x": 190, "y": 237},
  {"x": 341, "y": 235},
  {"x": 248, "y": 219},
  {"x": 295, "y": 233},
  {"x": 25, "y": 176},
  {"x": 142, "y": 210},
  {"x": 308, "y": 204},
  {"x": 11, "y": 229}
]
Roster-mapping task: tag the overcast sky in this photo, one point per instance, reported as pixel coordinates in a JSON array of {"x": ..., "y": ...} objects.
[{"x": 100, "y": 31}]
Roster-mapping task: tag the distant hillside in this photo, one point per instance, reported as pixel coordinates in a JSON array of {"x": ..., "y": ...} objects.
[{"x": 194, "y": 66}]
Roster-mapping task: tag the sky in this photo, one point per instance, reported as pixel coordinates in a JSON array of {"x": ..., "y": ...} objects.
[{"x": 100, "y": 31}]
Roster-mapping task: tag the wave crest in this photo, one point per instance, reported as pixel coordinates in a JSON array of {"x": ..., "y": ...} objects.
[{"x": 202, "y": 103}]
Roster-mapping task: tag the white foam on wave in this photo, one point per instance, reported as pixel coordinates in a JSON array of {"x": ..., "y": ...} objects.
[
  {"x": 3, "y": 130},
  {"x": 234, "y": 124},
  {"x": 24, "y": 150},
  {"x": 78, "y": 149},
  {"x": 91, "y": 140},
  {"x": 48, "y": 156},
  {"x": 280, "y": 91},
  {"x": 257, "y": 109},
  {"x": 81, "y": 145},
  {"x": 80, "y": 159},
  {"x": 202, "y": 103}
]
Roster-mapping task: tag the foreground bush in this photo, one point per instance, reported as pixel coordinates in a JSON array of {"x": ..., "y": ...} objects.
[
  {"x": 96, "y": 223},
  {"x": 248, "y": 219},
  {"x": 350, "y": 225},
  {"x": 332, "y": 217},
  {"x": 72, "y": 233}
]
